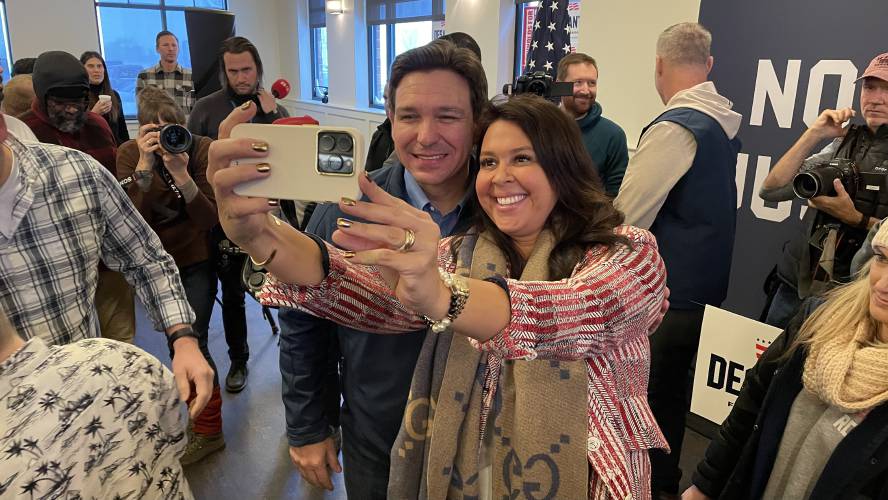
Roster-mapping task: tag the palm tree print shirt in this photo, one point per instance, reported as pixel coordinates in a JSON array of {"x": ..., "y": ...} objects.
[{"x": 96, "y": 419}]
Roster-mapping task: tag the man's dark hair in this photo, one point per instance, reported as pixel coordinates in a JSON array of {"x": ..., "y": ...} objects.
[
  {"x": 238, "y": 45},
  {"x": 583, "y": 215},
  {"x": 163, "y": 34},
  {"x": 463, "y": 41},
  {"x": 24, "y": 66},
  {"x": 571, "y": 59},
  {"x": 442, "y": 54}
]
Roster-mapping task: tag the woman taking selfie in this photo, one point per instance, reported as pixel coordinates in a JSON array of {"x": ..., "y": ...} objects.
[
  {"x": 811, "y": 419},
  {"x": 102, "y": 98},
  {"x": 534, "y": 371}
]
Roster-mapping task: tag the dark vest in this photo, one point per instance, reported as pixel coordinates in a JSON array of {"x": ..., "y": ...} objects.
[
  {"x": 695, "y": 227},
  {"x": 870, "y": 152}
]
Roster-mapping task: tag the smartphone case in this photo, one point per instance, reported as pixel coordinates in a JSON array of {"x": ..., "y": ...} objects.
[{"x": 293, "y": 156}]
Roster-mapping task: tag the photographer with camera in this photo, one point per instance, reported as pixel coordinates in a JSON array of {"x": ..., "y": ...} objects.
[
  {"x": 836, "y": 227},
  {"x": 164, "y": 174}
]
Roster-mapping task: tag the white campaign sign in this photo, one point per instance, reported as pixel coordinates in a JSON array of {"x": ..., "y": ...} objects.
[{"x": 730, "y": 344}]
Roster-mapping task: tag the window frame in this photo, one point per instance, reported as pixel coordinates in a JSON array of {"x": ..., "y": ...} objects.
[
  {"x": 316, "y": 93},
  {"x": 390, "y": 22},
  {"x": 7, "y": 42},
  {"x": 160, "y": 6}
]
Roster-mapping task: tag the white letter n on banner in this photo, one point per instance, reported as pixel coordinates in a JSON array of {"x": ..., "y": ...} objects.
[{"x": 782, "y": 99}]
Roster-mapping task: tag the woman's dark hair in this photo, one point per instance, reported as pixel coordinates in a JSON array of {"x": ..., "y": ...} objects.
[
  {"x": 463, "y": 41},
  {"x": 238, "y": 45},
  {"x": 583, "y": 215},
  {"x": 104, "y": 88}
]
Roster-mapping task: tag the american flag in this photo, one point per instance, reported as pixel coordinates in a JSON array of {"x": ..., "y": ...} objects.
[
  {"x": 761, "y": 345},
  {"x": 551, "y": 37}
]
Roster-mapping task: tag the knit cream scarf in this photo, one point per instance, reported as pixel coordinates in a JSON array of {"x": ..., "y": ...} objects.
[{"x": 848, "y": 371}]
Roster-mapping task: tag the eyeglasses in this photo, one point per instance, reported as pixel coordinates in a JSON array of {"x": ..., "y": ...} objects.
[{"x": 64, "y": 104}]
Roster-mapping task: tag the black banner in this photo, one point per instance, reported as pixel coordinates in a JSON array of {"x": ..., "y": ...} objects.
[{"x": 782, "y": 63}]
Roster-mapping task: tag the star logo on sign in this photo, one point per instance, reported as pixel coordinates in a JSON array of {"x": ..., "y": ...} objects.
[
  {"x": 566, "y": 48},
  {"x": 550, "y": 46},
  {"x": 536, "y": 25},
  {"x": 534, "y": 44},
  {"x": 551, "y": 26},
  {"x": 548, "y": 65},
  {"x": 554, "y": 6}
]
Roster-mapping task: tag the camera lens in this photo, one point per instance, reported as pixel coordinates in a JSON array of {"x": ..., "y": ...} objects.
[
  {"x": 326, "y": 143},
  {"x": 805, "y": 185},
  {"x": 344, "y": 143},
  {"x": 175, "y": 138},
  {"x": 334, "y": 163}
]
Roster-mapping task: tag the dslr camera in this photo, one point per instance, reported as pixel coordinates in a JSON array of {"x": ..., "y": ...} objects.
[
  {"x": 174, "y": 138},
  {"x": 819, "y": 180},
  {"x": 541, "y": 84}
]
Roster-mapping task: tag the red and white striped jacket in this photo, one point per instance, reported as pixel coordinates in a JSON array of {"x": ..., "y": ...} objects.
[{"x": 601, "y": 313}]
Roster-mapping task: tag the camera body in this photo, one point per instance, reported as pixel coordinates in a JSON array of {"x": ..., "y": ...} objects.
[
  {"x": 541, "y": 84},
  {"x": 174, "y": 138},
  {"x": 819, "y": 180}
]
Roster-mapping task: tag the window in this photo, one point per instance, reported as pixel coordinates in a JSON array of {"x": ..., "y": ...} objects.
[
  {"x": 5, "y": 55},
  {"x": 524, "y": 29},
  {"x": 396, "y": 26},
  {"x": 318, "y": 25},
  {"x": 127, "y": 29}
]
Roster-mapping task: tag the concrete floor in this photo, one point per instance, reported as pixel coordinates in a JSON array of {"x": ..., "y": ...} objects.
[{"x": 255, "y": 463}]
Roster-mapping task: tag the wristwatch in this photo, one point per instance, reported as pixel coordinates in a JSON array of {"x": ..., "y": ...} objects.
[{"x": 178, "y": 334}]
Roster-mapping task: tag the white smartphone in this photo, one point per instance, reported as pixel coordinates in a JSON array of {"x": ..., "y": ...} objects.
[{"x": 308, "y": 162}]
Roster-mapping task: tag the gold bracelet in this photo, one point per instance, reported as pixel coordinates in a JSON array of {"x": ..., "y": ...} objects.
[{"x": 266, "y": 261}]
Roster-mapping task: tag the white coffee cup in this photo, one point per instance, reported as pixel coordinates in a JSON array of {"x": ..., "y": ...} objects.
[{"x": 103, "y": 98}]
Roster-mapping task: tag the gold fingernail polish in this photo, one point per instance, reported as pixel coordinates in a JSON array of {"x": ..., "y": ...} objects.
[
  {"x": 263, "y": 167},
  {"x": 367, "y": 175},
  {"x": 273, "y": 203},
  {"x": 348, "y": 254},
  {"x": 259, "y": 146},
  {"x": 246, "y": 105},
  {"x": 341, "y": 222},
  {"x": 348, "y": 202}
]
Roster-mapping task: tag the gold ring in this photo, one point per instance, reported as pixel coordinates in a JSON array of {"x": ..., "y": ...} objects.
[{"x": 409, "y": 240}]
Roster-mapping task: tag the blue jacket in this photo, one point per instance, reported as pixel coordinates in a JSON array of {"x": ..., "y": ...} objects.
[
  {"x": 695, "y": 226},
  {"x": 376, "y": 370}
]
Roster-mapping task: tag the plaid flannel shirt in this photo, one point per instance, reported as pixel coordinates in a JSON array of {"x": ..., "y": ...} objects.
[
  {"x": 177, "y": 83},
  {"x": 69, "y": 212}
]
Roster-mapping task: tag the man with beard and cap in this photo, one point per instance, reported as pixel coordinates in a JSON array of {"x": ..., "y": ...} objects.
[
  {"x": 604, "y": 139},
  {"x": 241, "y": 75},
  {"x": 60, "y": 115}
]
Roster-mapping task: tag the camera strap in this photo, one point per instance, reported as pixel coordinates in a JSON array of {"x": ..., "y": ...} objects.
[{"x": 168, "y": 179}]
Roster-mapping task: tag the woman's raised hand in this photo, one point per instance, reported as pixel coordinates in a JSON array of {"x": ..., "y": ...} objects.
[
  {"x": 243, "y": 218},
  {"x": 398, "y": 238}
]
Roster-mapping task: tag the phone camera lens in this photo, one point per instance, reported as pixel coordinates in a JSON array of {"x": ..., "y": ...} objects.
[
  {"x": 334, "y": 163},
  {"x": 326, "y": 143},
  {"x": 344, "y": 143}
]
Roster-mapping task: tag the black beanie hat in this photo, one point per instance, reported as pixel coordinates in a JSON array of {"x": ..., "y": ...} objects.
[{"x": 60, "y": 73}]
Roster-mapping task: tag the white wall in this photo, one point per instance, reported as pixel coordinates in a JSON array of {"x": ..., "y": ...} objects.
[
  {"x": 36, "y": 26},
  {"x": 623, "y": 40},
  {"x": 492, "y": 24}
]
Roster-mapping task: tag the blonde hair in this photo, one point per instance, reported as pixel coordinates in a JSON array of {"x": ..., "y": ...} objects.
[
  {"x": 846, "y": 307},
  {"x": 18, "y": 93}
]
